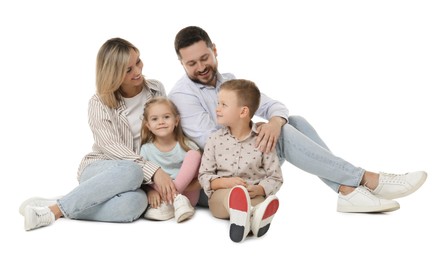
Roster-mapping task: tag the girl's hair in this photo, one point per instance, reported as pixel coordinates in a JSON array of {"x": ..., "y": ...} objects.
[
  {"x": 246, "y": 91},
  {"x": 148, "y": 137},
  {"x": 111, "y": 68}
]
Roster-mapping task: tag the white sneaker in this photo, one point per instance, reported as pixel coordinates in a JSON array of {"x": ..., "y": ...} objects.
[
  {"x": 163, "y": 212},
  {"x": 183, "y": 208},
  {"x": 36, "y": 217},
  {"x": 240, "y": 213},
  {"x": 393, "y": 186},
  {"x": 262, "y": 215},
  {"x": 362, "y": 200},
  {"x": 37, "y": 202}
]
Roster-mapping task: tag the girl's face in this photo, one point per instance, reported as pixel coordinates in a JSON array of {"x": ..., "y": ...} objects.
[
  {"x": 161, "y": 121},
  {"x": 133, "y": 78},
  {"x": 228, "y": 111}
]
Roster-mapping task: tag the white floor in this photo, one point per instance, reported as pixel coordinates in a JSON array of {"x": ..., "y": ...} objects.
[{"x": 369, "y": 75}]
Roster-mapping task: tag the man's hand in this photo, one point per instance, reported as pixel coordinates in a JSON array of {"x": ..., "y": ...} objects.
[{"x": 268, "y": 134}]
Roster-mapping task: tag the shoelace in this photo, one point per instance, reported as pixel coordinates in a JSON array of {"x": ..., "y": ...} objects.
[
  {"x": 389, "y": 174},
  {"x": 391, "y": 177},
  {"x": 44, "y": 218}
]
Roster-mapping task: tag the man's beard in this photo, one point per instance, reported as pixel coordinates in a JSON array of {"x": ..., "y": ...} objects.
[{"x": 212, "y": 70}]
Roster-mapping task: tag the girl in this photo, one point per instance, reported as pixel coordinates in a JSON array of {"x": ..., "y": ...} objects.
[
  {"x": 163, "y": 142},
  {"x": 110, "y": 177}
]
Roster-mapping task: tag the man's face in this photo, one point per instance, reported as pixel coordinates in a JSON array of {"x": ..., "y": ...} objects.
[{"x": 200, "y": 63}]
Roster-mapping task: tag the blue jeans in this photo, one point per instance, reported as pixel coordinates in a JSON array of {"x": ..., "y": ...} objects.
[
  {"x": 108, "y": 191},
  {"x": 300, "y": 145}
]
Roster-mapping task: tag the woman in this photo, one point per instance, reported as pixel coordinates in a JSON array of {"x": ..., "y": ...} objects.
[{"x": 110, "y": 177}]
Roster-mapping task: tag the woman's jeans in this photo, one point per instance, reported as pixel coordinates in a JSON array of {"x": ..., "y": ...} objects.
[
  {"x": 108, "y": 191},
  {"x": 300, "y": 145}
]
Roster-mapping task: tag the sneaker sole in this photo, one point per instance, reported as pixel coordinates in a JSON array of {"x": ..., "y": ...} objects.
[
  {"x": 28, "y": 215},
  {"x": 184, "y": 215},
  {"x": 158, "y": 217},
  {"x": 266, "y": 214},
  {"x": 239, "y": 210},
  {"x": 374, "y": 209}
]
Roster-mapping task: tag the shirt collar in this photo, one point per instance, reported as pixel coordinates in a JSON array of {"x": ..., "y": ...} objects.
[
  {"x": 253, "y": 131},
  {"x": 149, "y": 89}
]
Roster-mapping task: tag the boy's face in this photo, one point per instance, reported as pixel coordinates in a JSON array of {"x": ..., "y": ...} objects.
[
  {"x": 228, "y": 112},
  {"x": 200, "y": 63}
]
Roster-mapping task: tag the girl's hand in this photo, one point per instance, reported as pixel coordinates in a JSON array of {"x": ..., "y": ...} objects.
[
  {"x": 154, "y": 198},
  {"x": 165, "y": 185}
]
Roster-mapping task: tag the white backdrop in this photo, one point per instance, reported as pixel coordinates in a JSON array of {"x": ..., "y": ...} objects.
[{"x": 366, "y": 74}]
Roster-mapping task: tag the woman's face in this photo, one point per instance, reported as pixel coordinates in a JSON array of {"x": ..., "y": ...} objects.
[{"x": 133, "y": 79}]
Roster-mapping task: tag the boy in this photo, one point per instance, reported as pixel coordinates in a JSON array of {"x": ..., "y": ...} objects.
[{"x": 234, "y": 174}]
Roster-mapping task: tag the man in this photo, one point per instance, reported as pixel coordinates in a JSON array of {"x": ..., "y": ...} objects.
[{"x": 296, "y": 141}]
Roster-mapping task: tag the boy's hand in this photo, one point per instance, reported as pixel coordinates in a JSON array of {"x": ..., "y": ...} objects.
[
  {"x": 255, "y": 190},
  {"x": 227, "y": 183}
]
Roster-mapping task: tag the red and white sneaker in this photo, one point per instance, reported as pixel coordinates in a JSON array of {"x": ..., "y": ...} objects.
[
  {"x": 239, "y": 210},
  {"x": 262, "y": 215}
]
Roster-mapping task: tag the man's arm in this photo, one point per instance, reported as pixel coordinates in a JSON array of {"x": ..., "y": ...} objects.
[{"x": 268, "y": 133}]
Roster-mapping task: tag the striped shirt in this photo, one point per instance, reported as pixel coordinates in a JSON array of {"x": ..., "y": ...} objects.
[{"x": 113, "y": 139}]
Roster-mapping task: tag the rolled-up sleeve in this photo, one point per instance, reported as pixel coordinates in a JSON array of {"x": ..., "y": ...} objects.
[
  {"x": 269, "y": 108},
  {"x": 112, "y": 142}
]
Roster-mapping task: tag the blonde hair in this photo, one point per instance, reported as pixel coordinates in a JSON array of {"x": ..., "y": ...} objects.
[
  {"x": 148, "y": 137},
  {"x": 111, "y": 67}
]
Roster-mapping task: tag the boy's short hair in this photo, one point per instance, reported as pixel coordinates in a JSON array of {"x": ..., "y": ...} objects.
[{"x": 246, "y": 91}]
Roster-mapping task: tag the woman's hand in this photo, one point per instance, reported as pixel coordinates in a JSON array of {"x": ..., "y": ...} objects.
[{"x": 165, "y": 185}]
